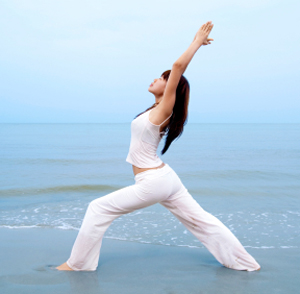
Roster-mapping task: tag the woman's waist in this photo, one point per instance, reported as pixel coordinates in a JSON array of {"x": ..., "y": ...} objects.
[{"x": 137, "y": 170}]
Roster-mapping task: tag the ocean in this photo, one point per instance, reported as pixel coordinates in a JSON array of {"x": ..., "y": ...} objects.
[{"x": 247, "y": 175}]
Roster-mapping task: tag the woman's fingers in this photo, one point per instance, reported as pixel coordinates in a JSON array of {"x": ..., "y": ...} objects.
[
  {"x": 209, "y": 28},
  {"x": 206, "y": 26},
  {"x": 203, "y": 27}
]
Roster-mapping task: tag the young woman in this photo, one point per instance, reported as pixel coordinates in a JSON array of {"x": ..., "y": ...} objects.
[{"x": 156, "y": 181}]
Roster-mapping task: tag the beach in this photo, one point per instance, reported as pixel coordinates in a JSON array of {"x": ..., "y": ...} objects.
[
  {"x": 29, "y": 256},
  {"x": 246, "y": 175}
]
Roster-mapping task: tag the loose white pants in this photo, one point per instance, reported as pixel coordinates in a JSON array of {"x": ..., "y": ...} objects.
[{"x": 164, "y": 186}]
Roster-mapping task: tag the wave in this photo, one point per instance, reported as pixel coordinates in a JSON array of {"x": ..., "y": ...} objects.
[
  {"x": 56, "y": 161},
  {"x": 56, "y": 189},
  {"x": 139, "y": 241},
  {"x": 239, "y": 173}
]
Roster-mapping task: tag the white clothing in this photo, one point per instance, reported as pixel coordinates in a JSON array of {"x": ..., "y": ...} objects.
[
  {"x": 152, "y": 186},
  {"x": 145, "y": 137}
]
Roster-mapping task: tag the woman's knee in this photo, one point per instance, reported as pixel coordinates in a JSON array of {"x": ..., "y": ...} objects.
[
  {"x": 105, "y": 205},
  {"x": 97, "y": 205}
]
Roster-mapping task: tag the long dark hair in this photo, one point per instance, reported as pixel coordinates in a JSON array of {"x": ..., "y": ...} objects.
[{"x": 179, "y": 117}]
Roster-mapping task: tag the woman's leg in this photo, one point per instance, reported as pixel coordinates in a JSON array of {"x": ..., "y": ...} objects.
[
  {"x": 151, "y": 187},
  {"x": 216, "y": 237}
]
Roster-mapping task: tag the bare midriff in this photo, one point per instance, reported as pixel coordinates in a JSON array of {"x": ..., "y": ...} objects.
[{"x": 137, "y": 170}]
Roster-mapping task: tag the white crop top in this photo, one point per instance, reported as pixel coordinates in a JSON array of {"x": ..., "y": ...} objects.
[{"x": 145, "y": 137}]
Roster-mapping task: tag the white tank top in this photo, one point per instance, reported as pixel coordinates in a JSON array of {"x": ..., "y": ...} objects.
[{"x": 145, "y": 137}]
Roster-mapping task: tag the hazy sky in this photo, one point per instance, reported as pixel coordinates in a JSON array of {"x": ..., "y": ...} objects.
[{"x": 93, "y": 61}]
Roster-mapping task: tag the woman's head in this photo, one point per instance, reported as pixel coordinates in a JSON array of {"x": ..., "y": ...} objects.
[
  {"x": 159, "y": 85},
  {"x": 183, "y": 88},
  {"x": 157, "y": 88}
]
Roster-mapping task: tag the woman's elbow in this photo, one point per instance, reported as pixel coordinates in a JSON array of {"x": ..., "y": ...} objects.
[{"x": 178, "y": 66}]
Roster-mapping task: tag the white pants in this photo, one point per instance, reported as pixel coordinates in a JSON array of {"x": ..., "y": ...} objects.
[{"x": 151, "y": 186}]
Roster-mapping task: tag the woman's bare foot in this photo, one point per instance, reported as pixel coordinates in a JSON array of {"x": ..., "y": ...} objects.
[{"x": 64, "y": 267}]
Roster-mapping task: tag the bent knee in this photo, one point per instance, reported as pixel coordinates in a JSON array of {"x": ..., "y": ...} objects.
[{"x": 97, "y": 206}]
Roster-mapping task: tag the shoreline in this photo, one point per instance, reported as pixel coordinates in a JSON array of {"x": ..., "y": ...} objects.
[
  {"x": 28, "y": 257},
  {"x": 138, "y": 241}
]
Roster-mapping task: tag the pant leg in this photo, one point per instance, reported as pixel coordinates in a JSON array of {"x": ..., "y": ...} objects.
[
  {"x": 209, "y": 230},
  {"x": 151, "y": 187}
]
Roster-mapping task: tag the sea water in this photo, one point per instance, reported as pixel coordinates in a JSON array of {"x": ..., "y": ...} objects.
[{"x": 247, "y": 175}]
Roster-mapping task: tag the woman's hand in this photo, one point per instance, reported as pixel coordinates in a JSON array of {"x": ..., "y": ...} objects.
[
  {"x": 208, "y": 41},
  {"x": 203, "y": 33},
  {"x": 183, "y": 61}
]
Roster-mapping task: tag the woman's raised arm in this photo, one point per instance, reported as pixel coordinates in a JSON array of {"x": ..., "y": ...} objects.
[{"x": 179, "y": 67}]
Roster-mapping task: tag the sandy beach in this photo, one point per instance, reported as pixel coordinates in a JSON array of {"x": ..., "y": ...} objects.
[{"x": 29, "y": 256}]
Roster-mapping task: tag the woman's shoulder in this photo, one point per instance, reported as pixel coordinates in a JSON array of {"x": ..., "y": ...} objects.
[{"x": 157, "y": 115}]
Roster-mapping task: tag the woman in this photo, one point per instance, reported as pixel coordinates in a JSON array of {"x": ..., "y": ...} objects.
[{"x": 156, "y": 181}]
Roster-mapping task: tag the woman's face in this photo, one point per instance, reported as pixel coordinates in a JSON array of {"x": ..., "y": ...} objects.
[{"x": 158, "y": 86}]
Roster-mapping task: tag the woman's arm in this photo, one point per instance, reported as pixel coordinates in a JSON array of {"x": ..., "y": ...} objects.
[
  {"x": 200, "y": 39},
  {"x": 179, "y": 67}
]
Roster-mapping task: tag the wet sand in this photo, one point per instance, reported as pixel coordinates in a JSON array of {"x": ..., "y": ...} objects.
[{"x": 29, "y": 257}]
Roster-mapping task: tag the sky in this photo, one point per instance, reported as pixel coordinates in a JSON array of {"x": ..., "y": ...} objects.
[{"x": 93, "y": 61}]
